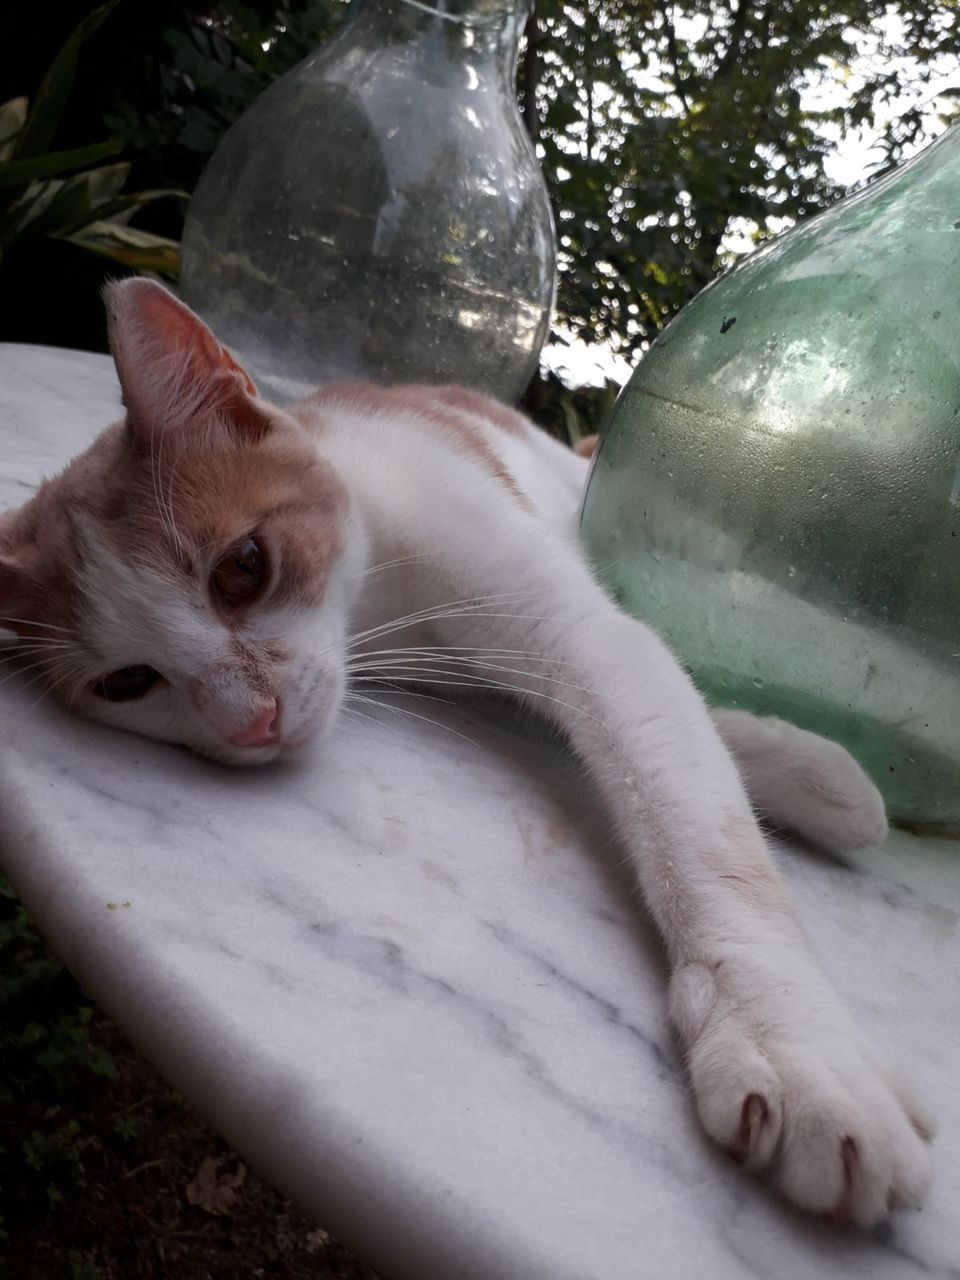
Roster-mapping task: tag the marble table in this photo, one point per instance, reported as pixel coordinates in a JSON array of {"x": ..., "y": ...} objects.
[{"x": 407, "y": 980}]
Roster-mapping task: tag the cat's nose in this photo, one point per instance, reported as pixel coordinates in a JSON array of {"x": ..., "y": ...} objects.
[{"x": 262, "y": 731}]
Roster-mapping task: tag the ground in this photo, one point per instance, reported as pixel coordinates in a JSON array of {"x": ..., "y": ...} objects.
[{"x": 105, "y": 1173}]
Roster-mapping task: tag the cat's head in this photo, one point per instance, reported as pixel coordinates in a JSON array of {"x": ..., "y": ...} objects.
[{"x": 189, "y": 576}]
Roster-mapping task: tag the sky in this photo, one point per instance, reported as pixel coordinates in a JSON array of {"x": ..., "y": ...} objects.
[{"x": 854, "y": 156}]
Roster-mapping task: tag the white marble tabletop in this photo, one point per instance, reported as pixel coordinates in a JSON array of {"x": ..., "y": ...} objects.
[{"x": 407, "y": 980}]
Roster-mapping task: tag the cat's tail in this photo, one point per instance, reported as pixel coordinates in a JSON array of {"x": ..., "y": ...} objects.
[{"x": 804, "y": 782}]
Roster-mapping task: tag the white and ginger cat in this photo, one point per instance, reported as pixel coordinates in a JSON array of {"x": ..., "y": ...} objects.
[{"x": 202, "y": 575}]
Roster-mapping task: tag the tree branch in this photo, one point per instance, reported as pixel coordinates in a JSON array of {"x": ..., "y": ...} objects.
[
  {"x": 731, "y": 54},
  {"x": 674, "y": 52}
]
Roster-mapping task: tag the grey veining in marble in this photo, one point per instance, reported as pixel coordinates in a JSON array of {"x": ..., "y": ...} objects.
[{"x": 409, "y": 981}]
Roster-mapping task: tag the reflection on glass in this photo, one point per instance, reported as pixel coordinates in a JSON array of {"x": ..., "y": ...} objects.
[
  {"x": 379, "y": 212},
  {"x": 778, "y": 490}
]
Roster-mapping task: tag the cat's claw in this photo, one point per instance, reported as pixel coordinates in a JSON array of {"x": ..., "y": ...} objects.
[{"x": 801, "y": 1096}]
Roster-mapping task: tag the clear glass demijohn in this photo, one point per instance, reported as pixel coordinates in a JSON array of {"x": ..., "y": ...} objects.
[
  {"x": 778, "y": 492},
  {"x": 379, "y": 212}
]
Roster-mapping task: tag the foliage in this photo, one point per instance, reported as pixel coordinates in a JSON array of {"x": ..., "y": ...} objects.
[
  {"x": 165, "y": 80},
  {"x": 569, "y": 413},
  {"x": 46, "y": 1052},
  {"x": 168, "y": 80},
  {"x": 179, "y": 94},
  {"x": 670, "y": 133},
  {"x": 97, "y": 1155},
  {"x": 664, "y": 126},
  {"x": 87, "y": 208}
]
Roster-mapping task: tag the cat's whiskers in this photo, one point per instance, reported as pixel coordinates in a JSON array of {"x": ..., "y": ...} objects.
[
  {"x": 445, "y": 613},
  {"x": 410, "y": 663},
  {"x": 351, "y": 698},
  {"x": 83, "y": 678},
  {"x": 437, "y": 724},
  {"x": 390, "y": 564},
  {"x": 38, "y": 644},
  {"x": 365, "y": 715},
  {"x": 49, "y": 671},
  {"x": 61, "y": 677},
  {"x": 467, "y": 657},
  {"x": 429, "y": 614},
  {"x": 52, "y": 653},
  {"x": 30, "y": 683},
  {"x": 441, "y": 651},
  {"x": 464, "y": 680},
  {"x": 407, "y": 692},
  {"x": 15, "y": 657},
  {"x": 30, "y": 622},
  {"x": 21, "y": 669},
  {"x": 409, "y": 660},
  {"x": 352, "y": 711}
]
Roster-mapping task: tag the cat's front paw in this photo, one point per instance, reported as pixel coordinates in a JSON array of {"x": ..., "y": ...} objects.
[{"x": 785, "y": 1081}]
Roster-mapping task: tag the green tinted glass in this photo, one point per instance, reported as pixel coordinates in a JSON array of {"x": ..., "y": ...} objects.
[{"x": 778, "y": 491}]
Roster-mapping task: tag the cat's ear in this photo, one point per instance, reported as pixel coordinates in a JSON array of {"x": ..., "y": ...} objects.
[{"x": 172, "y": 370}]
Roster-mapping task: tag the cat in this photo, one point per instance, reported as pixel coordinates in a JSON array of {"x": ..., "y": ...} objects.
[{"x": 218, "y": 572}]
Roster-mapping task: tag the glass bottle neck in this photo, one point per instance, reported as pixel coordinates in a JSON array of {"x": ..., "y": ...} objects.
[
  {"x": 474, "y": 12},
  {"x": 487, "y": 29}
]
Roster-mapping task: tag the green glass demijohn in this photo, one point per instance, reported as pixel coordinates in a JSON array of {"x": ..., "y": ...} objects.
[{"x": 778, "y": 492}]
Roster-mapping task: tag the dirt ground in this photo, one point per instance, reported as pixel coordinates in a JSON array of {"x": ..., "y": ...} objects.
[{"x": 151, "y": 1194}]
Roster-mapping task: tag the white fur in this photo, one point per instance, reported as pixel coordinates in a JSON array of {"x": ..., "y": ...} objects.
[
  {"x": 756, "y": 1017},
  {"x": 205, "y": 698},
  {"x": 502, "y": 593}
]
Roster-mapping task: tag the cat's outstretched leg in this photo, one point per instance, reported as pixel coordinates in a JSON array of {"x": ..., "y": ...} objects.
[
  {"x": 804, "y": 782},
  {"x": 782, "y": 1076}
]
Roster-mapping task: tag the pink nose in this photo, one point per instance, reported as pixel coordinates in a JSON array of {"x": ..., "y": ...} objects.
[{"x": 262, "y": 731}]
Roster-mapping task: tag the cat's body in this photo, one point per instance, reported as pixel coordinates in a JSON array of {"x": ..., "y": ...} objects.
[{"x": 225, "y": 574}]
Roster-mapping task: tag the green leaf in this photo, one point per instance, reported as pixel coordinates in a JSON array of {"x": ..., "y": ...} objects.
[
  {"x": 67, "y": 208},
  {"x": 101, "y": 1063},
  {"x": 51, "y": 98},
  {"x": 141, "y": 250},
  {"x": 124, "y": 206},
  {"x": 15, "y": 173},
  {"x": 12, "y": 116},
  {"x": 23, "y": 206},
  {"x": 106, "y": 181},
  {"x": 61, "y": 208}
]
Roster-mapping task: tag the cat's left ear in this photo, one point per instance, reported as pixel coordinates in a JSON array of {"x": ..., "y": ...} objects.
[{"x": 172, "y": 370}]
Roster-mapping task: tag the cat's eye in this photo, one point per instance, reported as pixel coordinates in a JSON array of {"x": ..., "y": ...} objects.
[
  {"x": 240, "y": 576},
  {"x": 126, "y": 684}
]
